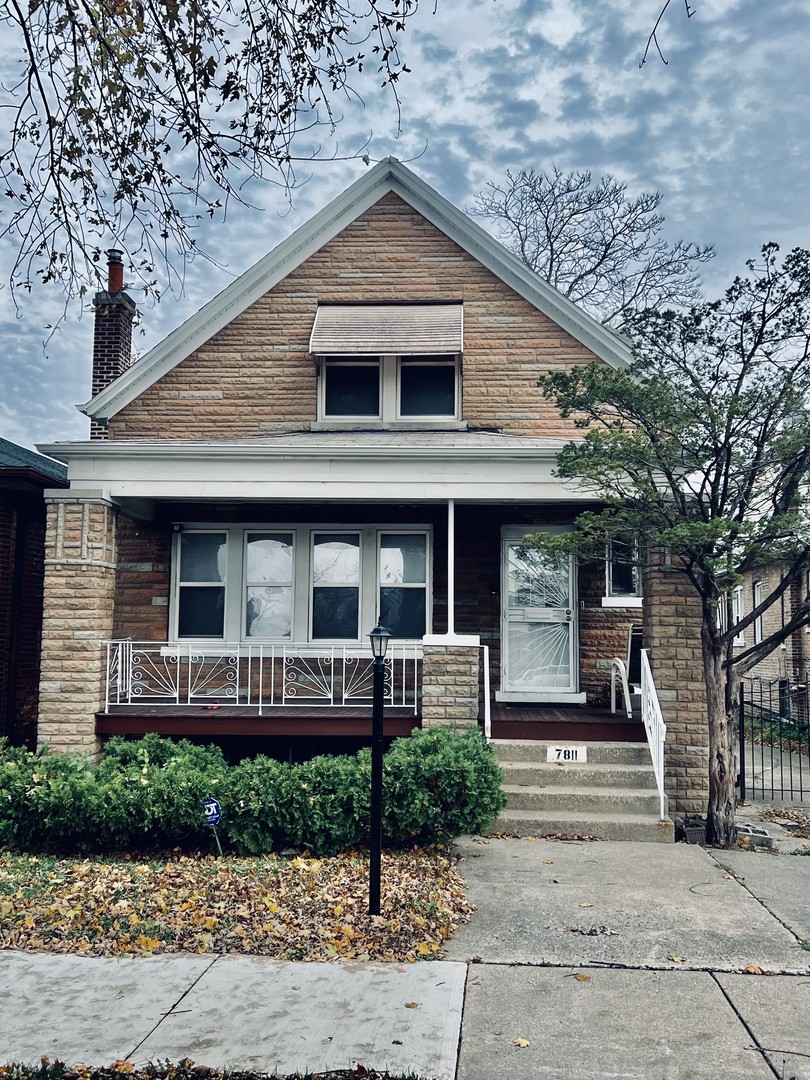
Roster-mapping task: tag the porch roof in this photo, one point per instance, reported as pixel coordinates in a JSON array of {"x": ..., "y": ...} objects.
[{"x": 330, "y": 466}]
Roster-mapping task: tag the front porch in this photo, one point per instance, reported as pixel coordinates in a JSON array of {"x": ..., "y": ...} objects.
[{"x": 297, "y": 690}]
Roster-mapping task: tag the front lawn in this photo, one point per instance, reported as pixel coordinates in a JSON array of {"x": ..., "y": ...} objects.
[{"x": 299, "y": 908}]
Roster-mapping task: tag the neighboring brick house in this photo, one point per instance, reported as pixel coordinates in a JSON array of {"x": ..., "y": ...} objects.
[
  {"x": 352, "y": 430},
  {"x": 23, "y": 476},
  {"x": 789, "y": 662}
]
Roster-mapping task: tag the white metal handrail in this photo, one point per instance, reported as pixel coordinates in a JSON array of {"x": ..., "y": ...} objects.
[
  {"x": 259, "y": 675},
  {"x": 654, "y": 726},
  {"x": 618, "y": 669}
]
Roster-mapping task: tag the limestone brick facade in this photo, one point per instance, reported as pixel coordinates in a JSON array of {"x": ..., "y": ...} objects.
[
  {"x": 449, "y": 685},
  {"x": 255, "y": 377},
  {"x": 672, "y": 622},
  {"x": 80, "y": 572}
]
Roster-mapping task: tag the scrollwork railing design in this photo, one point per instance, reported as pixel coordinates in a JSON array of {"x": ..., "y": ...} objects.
[{"x": 261, "y": 676}]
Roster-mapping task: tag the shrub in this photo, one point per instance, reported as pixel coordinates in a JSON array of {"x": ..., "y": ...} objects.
[
  {"x": 255, "y": 817},
  {"x": 48, "y": 802},
  {"x": 329, "y": 803},
  {"x": 148, "y": 793},
  {"x": 152, "y": 789},
  {"x": 438, "y": 784}
]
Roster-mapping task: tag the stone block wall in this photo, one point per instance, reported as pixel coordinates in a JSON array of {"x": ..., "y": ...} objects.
[
  {"x": 449, "y": 685},
  {"x": 79, "y": 594},
  {"x": 255, "y": 376},
  {"x": 672, "y": 621}
]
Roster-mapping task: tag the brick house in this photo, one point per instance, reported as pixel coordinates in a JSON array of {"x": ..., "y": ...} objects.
[
  {"x": 351, "y": 431},
  {"x": 23, "y": 476}
]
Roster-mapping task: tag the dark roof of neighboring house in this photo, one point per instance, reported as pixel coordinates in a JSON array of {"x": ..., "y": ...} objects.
[{"x": 17, "y": 457}]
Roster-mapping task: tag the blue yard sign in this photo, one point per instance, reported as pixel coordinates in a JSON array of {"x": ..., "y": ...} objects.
[{"x": 213, "y": 811}]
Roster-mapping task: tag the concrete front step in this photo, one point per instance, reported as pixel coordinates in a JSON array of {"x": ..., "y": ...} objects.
[
  {"x": 583, "y": 800},
  {"x": 612, "y": 796},
  {"x": 613, "y": 826},
  {"x": 543, "y": 774},
  {"x": 599, "y": 753}
]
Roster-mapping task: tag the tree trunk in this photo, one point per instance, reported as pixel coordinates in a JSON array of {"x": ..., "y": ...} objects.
[{"x": 721, "y": 702}]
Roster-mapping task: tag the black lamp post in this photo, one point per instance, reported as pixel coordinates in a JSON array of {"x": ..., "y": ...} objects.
[{"x": 379, "y": 644}]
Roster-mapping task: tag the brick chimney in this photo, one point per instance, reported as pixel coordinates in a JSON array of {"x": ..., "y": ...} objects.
[{"x": 112, "y": 339}]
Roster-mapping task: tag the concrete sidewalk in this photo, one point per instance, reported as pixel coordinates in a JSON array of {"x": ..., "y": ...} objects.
[
  {"x": 629, "y": 960},
  {"x": 606, "y": 959}
]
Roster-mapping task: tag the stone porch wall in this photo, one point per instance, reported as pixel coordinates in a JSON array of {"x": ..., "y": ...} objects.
[
  {"x": 672, "y": 623},
  {"x": 80, "y": 571},
  {"x": 449, "y": 685}
]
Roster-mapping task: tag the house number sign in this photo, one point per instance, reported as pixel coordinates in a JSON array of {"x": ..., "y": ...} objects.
[{"x": 563, "y": 755}]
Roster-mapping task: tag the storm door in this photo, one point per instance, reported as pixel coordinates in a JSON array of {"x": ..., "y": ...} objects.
[{"x": 539, "y": 624}]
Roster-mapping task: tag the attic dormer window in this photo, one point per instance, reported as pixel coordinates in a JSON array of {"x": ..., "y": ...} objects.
[{"x": 388, "y": 364}]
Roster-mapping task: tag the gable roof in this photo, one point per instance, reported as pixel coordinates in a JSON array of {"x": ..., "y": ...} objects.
[
  {"x": 389, "y": 175},
  {"x": 18, "y": 458}
]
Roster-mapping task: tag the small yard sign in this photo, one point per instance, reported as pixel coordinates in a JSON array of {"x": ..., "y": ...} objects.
[
  {"x": 568, "y": 755},
  {"x": 213, "y": 811}
]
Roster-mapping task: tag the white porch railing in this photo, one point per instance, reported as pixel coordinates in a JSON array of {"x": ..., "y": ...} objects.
[
  {"x": 262, "y": 676},
  {"x": 654, "y": 726}
]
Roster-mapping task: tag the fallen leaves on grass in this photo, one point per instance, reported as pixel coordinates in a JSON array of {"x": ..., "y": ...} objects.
[
  {"x": 288, "y": 909},
  {"x": 185, "y": 1070}
]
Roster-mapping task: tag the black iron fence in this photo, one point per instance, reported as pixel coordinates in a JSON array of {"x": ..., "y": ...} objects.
[{"x": 774, "y": 741}]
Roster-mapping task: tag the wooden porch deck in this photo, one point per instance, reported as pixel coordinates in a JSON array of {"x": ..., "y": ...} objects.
[
  {"x": 285, "y": 721},
  {"x": 509, "y": 721},
  {"x": 564, "y": 723}
]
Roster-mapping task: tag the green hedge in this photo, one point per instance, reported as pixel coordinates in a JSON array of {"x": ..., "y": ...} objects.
[{"x": 147, "y": 794}]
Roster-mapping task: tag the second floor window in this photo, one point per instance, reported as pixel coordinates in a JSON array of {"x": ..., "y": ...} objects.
[{"x": 389, "y": 388}]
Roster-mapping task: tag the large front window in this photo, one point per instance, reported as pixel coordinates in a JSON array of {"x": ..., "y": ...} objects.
[{"x": 300, "y": 583}]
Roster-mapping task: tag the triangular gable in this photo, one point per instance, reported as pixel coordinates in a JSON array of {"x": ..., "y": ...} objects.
[{"x": 387, "y": 176}]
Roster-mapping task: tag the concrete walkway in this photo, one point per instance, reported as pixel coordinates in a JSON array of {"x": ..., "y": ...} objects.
[{"x": 620, "y": 960}]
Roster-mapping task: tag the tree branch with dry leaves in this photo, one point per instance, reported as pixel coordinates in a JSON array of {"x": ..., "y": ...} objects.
[{"x": 130, "y": 122}]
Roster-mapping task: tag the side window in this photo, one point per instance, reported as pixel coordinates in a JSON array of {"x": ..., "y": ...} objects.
[
  {"x": 269, "y": 564},
  {"x": 335, "y": 586},
  {"x": 202, "y": 567},
  {"x": 738, "y": 612},
  {"x": 622, "y": 567},
  {"x": 402, "y": 572},
  {"x": 759, "y": 629}
]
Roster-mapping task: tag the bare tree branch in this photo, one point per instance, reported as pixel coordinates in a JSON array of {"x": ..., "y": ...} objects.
[
  {"x": 589, "y": 239},
  {"x": 653, "y": 38},
  {"x": 131, "y": 121}
]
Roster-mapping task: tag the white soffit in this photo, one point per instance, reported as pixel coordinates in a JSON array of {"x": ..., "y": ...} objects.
[
  {"x": 387, "y": 176},
  {"x": 399, "y": 329}
]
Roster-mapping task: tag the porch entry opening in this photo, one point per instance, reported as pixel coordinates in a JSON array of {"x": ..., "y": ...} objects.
[{"x": 539, "y": 626}]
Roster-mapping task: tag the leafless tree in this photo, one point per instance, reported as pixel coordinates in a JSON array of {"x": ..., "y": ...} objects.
[
  {"x": 589, "y": 239},
  {"x": 131, "y": 121}
]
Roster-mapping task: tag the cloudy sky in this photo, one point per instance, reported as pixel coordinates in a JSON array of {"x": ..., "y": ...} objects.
[{"x": 721, "y": 130}]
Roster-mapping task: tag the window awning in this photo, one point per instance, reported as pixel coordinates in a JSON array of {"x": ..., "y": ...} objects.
[{"x": 387, "y": 329}]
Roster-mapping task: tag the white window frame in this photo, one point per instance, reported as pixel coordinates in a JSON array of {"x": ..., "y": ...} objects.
[
  {"x": 389, "y": 414},
  {"x": 303, "y": 539},
  {"x": 621, "y": 600},
  {"x": 177, "y": 583},
  {"x": 759, "y": 626},
  {"x": 738, "y": 612}
]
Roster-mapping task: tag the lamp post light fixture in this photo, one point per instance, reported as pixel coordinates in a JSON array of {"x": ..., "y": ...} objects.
[{"x": 379, "y": 645}]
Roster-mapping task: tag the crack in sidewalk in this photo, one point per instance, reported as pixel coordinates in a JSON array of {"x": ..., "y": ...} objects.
[{"x": 169, "y": 1011}]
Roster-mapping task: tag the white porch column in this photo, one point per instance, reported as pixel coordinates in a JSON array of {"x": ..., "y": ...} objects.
[{"x": 451, "y": 637}]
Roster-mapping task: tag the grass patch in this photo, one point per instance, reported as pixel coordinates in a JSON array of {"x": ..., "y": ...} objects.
[{"x": 298, "y": 908}]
